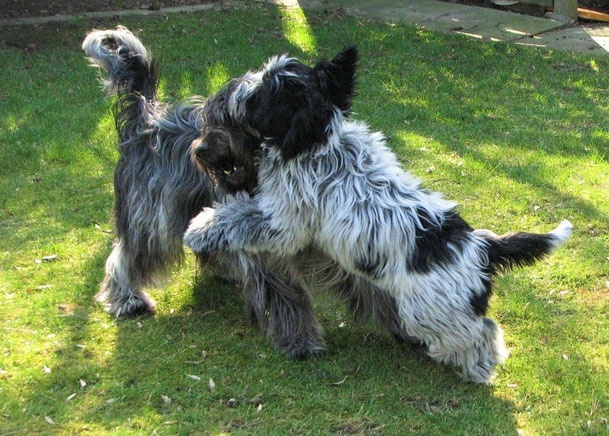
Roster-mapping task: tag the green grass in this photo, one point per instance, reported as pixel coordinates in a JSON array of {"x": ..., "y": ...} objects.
[{"x": 518, "y": 136}]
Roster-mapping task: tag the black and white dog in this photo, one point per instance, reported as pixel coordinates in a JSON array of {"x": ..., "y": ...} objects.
[
  {"x": 329, "y": 182},
  {"x": 159, "y": 189}
]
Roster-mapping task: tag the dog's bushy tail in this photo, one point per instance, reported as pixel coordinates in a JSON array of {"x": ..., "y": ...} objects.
[
  {"x": 128, "y": 71},
  {"x": 521, "y": 248}
]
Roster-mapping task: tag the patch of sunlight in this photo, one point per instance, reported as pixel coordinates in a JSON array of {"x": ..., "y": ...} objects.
[
  {"x": 185, "y": 85},
  {"x": 216, "y": 76},
  {"x": 296, "y": 29},
  {"x": 12, "y": 123}
]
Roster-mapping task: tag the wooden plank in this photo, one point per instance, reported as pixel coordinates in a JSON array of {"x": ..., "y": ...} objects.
[{"x": 592, "y": 15}]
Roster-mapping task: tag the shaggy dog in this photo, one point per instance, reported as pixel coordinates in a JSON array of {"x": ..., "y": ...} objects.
[
  {"x": 329, "y": 182},
  {"x": 158, "y": 189}
]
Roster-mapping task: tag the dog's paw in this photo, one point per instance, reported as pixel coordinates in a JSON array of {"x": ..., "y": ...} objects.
[{"x": 203, "y": 234}]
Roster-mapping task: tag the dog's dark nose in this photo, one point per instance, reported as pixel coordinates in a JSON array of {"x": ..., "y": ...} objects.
[{"x": 201, "y": 148}]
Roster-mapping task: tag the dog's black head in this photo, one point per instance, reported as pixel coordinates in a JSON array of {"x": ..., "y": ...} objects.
[
  {"x": 289, "y": 104},
  {"x": 226, "y": 150}
]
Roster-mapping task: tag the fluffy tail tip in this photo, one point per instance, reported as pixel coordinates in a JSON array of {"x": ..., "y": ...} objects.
[{"x": 561, "y": 234}]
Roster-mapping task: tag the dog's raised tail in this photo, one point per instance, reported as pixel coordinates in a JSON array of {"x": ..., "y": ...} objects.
[
  {"x": 127, "y": 65},
  {"x": 521, "y": 248}
]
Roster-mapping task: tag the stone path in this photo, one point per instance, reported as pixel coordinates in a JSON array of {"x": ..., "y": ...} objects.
[{"x": 475, "y": 22}]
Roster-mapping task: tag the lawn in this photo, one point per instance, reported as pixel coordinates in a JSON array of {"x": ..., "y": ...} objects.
[{"x": 517, "y": 136}]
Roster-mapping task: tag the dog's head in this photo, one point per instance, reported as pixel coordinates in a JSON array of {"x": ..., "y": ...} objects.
[
  {"x": 289, "y": 104},
  {"x": 226, "y": 150}
]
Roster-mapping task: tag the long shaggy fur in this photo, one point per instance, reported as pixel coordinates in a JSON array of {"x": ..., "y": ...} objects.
[
  {"x": 329, "y": 182},
  {"x": 158, "y": 189}
]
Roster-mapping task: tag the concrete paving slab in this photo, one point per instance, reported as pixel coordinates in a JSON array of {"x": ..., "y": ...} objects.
[
  {"x": 577, "y": 39},
  {"x": 483, "y": 23}
]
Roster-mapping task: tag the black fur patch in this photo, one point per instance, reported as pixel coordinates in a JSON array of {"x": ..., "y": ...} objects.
[
  {"x": 431, "y": 243},
  {"x": 479, "y": 302},
  {"x": 295, "y": 103}
]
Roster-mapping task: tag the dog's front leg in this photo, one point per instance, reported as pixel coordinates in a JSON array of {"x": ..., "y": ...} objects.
[{"x": 238, "y": 225}]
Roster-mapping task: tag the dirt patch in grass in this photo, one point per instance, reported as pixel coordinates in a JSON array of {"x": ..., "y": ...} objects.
[{"x": 44, "y": 8}]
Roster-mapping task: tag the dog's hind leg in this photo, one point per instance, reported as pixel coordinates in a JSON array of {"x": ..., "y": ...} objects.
[
  {"x": 454, "y": 334},
  {"x": 121, "y": 288},
  {"x": 483, "y": 350},
  {"x": 280, "y": 304}
]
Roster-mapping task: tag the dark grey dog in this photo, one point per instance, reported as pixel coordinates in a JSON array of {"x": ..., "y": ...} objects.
[{"x": 158, "y": 189}]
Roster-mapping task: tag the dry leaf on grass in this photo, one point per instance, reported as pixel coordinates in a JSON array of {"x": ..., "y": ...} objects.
[
  {"x": 194, "y": 377},
  {"x": 70, "y": 397},
  {"x": 49, "y": 420},
  {"x": 212, "y": 385},
  {"x": 166, "y": 399}
]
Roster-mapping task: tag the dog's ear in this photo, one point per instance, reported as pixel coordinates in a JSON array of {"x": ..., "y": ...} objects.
[
  {"x": 336, "y": 78},
  {"x": 306, "y": 130}
]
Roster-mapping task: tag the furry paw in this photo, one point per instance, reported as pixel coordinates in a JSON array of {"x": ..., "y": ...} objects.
[
  {"x": 203, "y": 234},
  {"x": 130, "y": 305}
]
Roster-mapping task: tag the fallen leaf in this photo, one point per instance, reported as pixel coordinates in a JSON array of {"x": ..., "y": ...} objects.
[
  {"x": 38, "y": 261},
  {"x": 511, "y": 385},
  {"x": 168, "y": 337},
  {"x": 46, "y": 369},
  {"x": 70, "y": 397},
  {"x": 166, "y": 399},
  {"x": 49, "y": 258},
  {"x": 341, "y": 325},
  {"x": 49, "y": 420},
  {"x": 139, "y": 325},
  {"x": 111, "y": 400},
  {"x": 43, "y": 287},
  {"x": 82, "y": 383},
  {"x": 194, "y": 377},
  {"x": 212, "y": 385},
  {"x": 259, "y": 408},
  {"x": 231, "y": 402},
  {"x": 203, "y": 353},
  {"x": 430, "y": 169},
  {"x": 536, "y": 207},
  {"x": 565, "y": 357}
]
